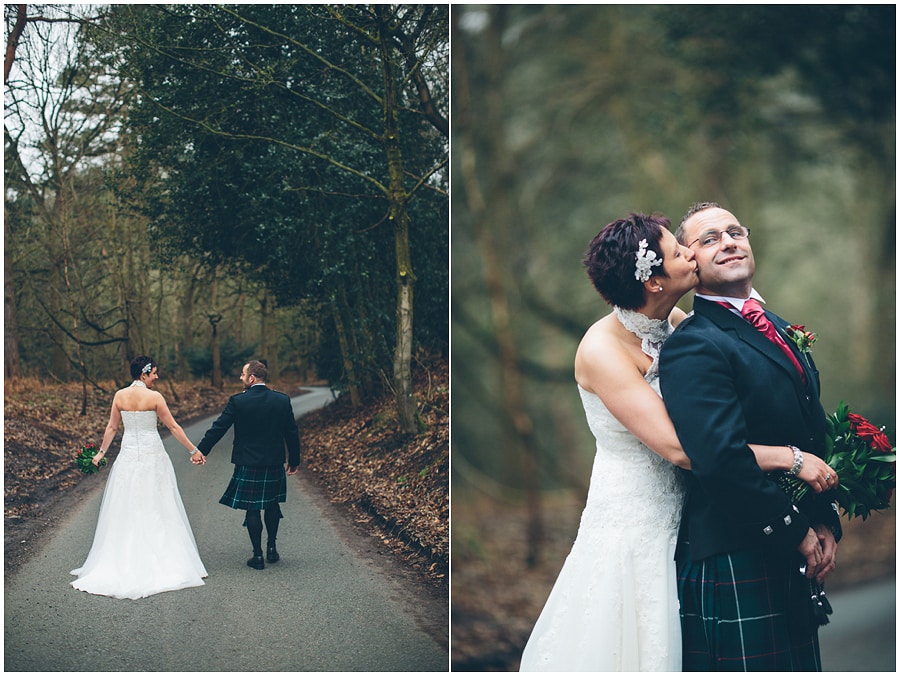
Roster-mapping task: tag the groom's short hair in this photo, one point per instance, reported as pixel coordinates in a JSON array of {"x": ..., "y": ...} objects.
[
  {"x": 258, "y": 370},
  {"x": 694, "y": 208}
]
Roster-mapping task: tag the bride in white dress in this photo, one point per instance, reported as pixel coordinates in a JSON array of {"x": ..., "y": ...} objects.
[
  {"x": 143, "y": 543},
  {"x": 614, "y": 606}
]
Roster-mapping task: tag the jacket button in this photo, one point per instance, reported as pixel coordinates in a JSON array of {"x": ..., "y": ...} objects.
[{"x": 768, "y": 530}]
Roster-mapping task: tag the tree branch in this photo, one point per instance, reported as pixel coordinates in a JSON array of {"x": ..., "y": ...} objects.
[{"x": 268, "y": 139}]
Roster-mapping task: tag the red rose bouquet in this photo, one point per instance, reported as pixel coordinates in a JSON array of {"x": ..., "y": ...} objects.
[
  {"x": 84, "y": 457},
  {"x": 864, "y": 459}
]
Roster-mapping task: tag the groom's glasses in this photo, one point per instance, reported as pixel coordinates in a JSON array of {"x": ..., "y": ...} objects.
[{"x": 713, "y": 237}]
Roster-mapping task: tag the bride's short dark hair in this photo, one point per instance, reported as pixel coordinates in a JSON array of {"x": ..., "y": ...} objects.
[
  {"x": 138, "y": 364},
  {"x": 611, "y": 257}
]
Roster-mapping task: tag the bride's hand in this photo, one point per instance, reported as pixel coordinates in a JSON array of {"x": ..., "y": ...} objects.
[
  {"x": 95, "y": 461},
  {"x": 817, "y": 473}
]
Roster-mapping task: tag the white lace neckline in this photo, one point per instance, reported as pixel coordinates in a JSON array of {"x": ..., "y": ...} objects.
[
  {"x": 652, "y": 332},
  {"x": 138, "y": 383}
]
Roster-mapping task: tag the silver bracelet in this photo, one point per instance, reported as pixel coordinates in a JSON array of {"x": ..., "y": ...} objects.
[
  {"x": 194, "y": 451},
  {"x": 798, "y": 461}
]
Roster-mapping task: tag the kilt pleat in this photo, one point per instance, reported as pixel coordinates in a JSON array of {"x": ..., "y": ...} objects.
[
  {"x": 746, "y": 611},
  {"x": 255, "y": 487}
]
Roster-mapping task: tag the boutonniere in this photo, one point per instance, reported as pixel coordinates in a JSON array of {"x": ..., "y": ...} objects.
[{"x": 802, "y": 338}]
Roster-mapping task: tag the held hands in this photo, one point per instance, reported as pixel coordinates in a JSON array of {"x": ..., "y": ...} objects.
[
  {"x": 817, "y": 473},
  {"x": 198, "y": 458}
]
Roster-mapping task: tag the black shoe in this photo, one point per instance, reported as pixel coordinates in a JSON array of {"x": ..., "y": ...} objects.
[
  {"x": 256, "y": 562},
  {"x": 272, "y": 554}
]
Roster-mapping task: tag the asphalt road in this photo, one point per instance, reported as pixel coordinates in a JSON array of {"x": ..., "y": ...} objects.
[
  {"x": 862, "y": 634},
  {"x": 326, "y": 606}
]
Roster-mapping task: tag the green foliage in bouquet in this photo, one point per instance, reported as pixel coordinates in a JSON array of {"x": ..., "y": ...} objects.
[
  {"x": 85, "y": 455},
  {"x": 864, "y": 459}
]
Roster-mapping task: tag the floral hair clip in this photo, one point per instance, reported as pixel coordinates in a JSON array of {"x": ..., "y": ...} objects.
[
  {"x": 646, "y": 260},
  {"x": 147, "y": 367}
]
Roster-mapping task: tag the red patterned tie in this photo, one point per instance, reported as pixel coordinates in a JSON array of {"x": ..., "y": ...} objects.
[{"x": 753, "y": 313}]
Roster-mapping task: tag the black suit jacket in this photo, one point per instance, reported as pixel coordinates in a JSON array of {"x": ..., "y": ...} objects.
[
  {"x": 726, "y": 385},
  {"x": 264, "y": 424}
]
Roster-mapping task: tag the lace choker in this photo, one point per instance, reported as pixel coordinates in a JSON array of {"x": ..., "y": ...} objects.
[
  {"x": 652, "y": 332},
  {"x": 138, "y": 383}
]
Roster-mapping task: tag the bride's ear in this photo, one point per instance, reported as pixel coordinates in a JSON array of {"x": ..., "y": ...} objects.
[{"x": 653, "y": 285}]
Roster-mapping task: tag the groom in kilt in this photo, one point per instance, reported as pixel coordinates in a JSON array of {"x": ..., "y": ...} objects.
[
  {"x": 730, "y": 377},
  {"x": 264, "y": 425}
]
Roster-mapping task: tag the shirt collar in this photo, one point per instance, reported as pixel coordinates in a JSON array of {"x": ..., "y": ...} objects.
[{"x": 736, "y": 303}]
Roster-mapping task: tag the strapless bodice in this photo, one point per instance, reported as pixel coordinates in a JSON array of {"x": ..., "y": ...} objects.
[{"x": 137, "y": 421}]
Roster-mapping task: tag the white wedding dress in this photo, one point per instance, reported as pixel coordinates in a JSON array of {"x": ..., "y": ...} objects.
[
  {"x": 143, "y": 543},
  {"x": 614, "y": 606}
]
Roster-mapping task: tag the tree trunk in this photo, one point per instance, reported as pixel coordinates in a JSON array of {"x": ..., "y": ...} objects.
[
  {"x": 214, "y": 320},
  {"x": 13, "y": 40},
  {"x": 187, "y": 315},
  {"x": 499, "y": 212},
  {"x": 399, "y": 217},
  {"x": 12, "y": 364},
  {"x": 345, "y": 354},
  {"x": 264, "y": 330}
]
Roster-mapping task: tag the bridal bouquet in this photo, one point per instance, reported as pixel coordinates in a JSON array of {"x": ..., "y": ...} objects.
[
  {"x": 85, "y": 455},
  {"x": 864, "y": 459}
]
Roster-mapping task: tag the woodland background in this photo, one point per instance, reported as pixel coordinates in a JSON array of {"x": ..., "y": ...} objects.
[
  {"x": 568, "y": 117},
  {"x": 210, "y": 183}
]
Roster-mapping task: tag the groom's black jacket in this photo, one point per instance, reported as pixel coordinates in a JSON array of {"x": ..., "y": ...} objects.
[
  {"x": 264, "y": 424},
  {"x": 726, "y": 385}
]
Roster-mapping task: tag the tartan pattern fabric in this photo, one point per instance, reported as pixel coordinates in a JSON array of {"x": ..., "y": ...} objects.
[
  {"x": 746, "y": 611},
  {"x": 255, "y": 487}
]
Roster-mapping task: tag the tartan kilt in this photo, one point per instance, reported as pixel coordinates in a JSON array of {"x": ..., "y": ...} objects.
[
  {"x": 746, "y": 611},
  {"x": 255, "y": 487}
]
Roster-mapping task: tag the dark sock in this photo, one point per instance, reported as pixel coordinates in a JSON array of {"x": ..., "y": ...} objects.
[
  {"x": 254, "y": 529},
  {"x": 273, "y": 515}
]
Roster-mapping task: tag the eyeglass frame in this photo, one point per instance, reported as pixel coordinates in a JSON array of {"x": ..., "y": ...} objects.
[{"x": 745, "y": 235}]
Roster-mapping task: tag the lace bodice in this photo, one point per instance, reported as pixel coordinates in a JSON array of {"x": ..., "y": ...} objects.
[
  {"x": 136, "y": 421},
  {"x": 626, "y": 472},
  {"x": 141, "y": 436}
]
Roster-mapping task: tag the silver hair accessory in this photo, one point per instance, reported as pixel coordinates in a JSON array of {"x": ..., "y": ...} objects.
[
  {"x": 646, "y": 260},
  {"x": 147, "y": 368}
]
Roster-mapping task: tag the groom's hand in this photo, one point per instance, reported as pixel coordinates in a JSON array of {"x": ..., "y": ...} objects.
[
  {"x": 812, "y": 552},
  {"x": 198, "y": 458},
  {"x": 829, "y": 549},
  {"x": 292, "y": 470}
]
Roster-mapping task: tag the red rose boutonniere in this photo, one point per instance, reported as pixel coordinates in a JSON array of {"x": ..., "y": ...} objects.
[{"x": 802, "y": 338}]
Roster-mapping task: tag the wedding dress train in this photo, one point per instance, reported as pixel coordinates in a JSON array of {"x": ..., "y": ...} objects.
[{"x": 143, "y": 543}]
